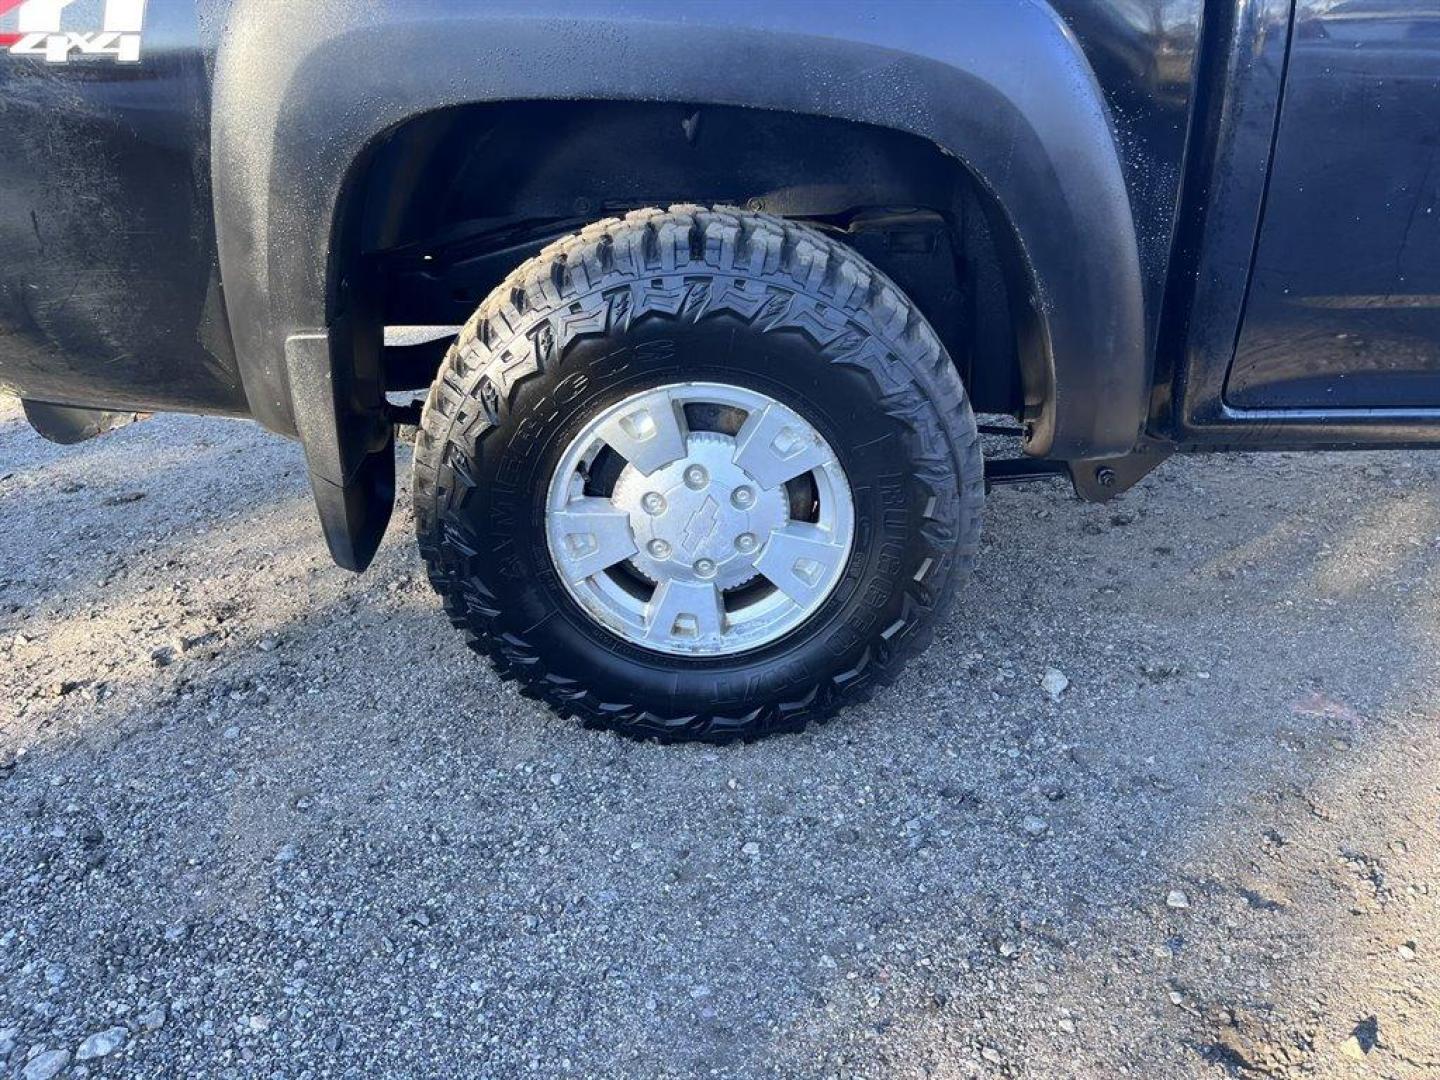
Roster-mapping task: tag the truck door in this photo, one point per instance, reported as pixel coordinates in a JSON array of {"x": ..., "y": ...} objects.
[{"x": 1343, "y": 310}]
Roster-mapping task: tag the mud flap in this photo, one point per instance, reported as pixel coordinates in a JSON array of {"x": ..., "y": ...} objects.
[{"x": 349, "y": 451}]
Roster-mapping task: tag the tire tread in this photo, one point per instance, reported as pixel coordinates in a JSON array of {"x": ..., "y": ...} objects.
[{"x": 600, "y": 276}]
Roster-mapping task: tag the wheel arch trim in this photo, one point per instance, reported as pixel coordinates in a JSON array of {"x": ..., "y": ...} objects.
[{"x": 1007, "y": 93}]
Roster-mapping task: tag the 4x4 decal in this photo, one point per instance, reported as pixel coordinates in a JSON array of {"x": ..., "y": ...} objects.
[{"x": 38, "y": 30}]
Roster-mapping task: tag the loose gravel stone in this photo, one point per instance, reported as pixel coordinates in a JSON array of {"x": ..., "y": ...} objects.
[
  {"x": 46, "y": 1064},
  {"x": 102, "y": 1043},
  {"x": 1054, "y": 683},
  {"x": 1034, "y": 825}
]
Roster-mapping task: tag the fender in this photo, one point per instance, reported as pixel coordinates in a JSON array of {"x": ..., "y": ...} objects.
[{"x": 301, "y": 91}]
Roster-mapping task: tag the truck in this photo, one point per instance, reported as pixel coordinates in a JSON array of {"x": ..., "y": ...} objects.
[{"x": 733, "y": 281}]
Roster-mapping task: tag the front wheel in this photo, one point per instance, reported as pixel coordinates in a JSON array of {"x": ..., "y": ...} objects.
[{"x": 697, "y": 474}]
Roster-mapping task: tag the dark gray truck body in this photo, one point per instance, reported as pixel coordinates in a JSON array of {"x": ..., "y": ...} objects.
[{"x": 1120, "y": 216}]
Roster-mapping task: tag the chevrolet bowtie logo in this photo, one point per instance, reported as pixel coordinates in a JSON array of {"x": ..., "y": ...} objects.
[{"x": 701, "y": 524}]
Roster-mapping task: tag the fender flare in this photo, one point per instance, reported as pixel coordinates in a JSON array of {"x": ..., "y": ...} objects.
[{"x": 302, "y": 91}]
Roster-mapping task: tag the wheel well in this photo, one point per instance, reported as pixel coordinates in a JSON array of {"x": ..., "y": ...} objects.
[{"x": 443, "y": 206}]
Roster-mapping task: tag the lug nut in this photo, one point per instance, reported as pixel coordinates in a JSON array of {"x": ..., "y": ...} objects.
[
  {"x": 658, "y": 548},
  {"x": 743, "y": 498},
  {"x": 696, "y": 477},
  {"x": 746, "y": 543},
  {"x": 654, "y": 503},
  {"x": 704, "y": 567}
]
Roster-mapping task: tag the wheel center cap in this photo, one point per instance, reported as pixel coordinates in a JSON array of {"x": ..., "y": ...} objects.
[{"x": 700, "y": 518}]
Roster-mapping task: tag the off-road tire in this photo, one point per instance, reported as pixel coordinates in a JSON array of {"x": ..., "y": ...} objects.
[{"x": 695, "y": 294}]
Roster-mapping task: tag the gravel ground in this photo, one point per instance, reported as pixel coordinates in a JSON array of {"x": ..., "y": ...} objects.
[{"x": 262, "y": 817}]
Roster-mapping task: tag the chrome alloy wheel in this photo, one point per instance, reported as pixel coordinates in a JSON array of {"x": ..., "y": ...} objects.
[{"x": 699, "y": 519}]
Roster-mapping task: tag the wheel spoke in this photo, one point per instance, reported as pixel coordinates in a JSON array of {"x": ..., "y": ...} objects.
[
  {"x": 682, "y": 610},
  {"x": 774, "y": 445},
  {"x": 589, "y": 536},
  {"x": 800, "y": 561},
  {"x": 649, "y": 434}
]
